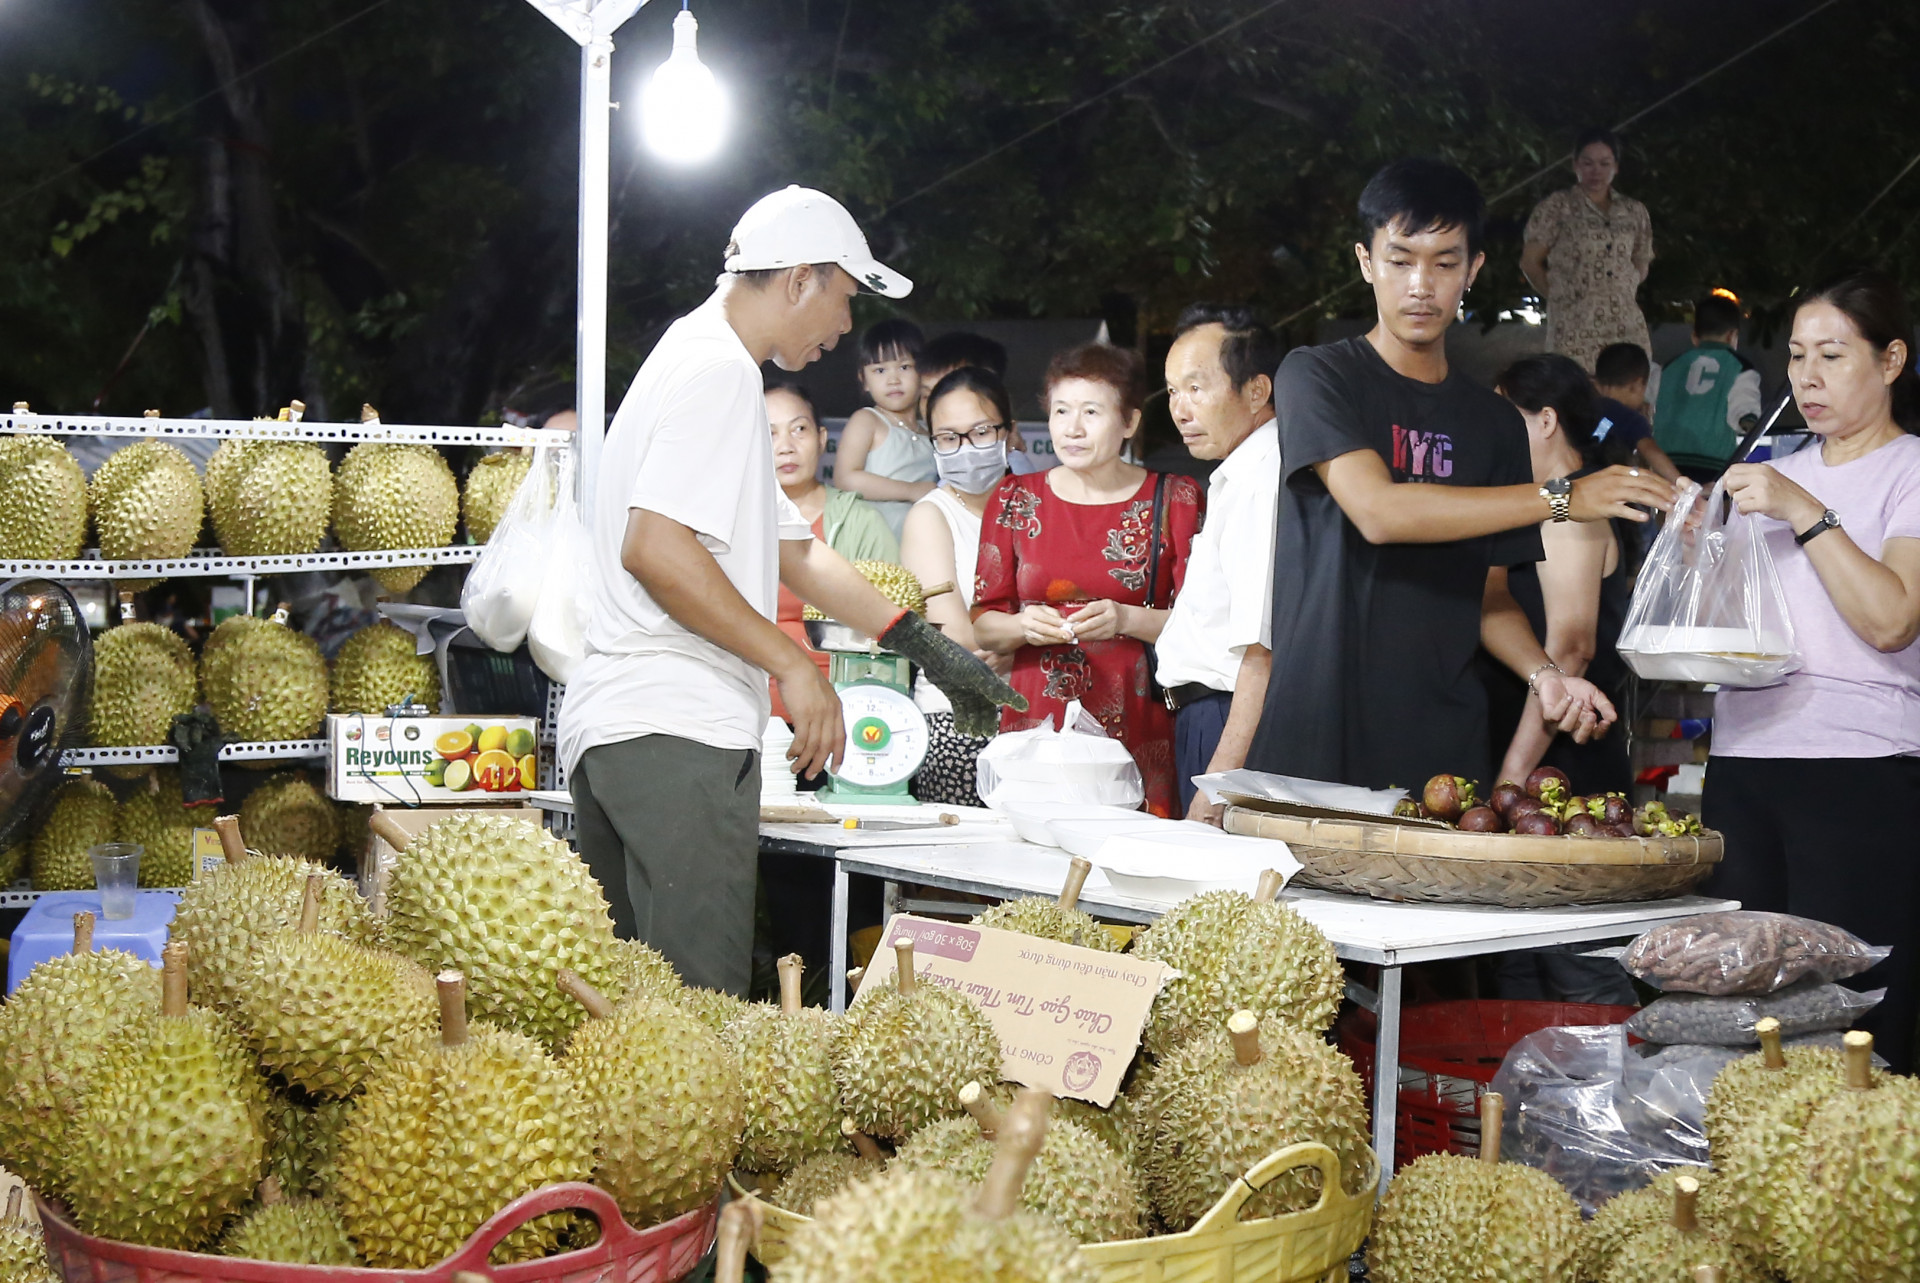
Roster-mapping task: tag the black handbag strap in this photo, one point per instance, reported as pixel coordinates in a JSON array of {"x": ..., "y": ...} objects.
[{"x": 1153, "y": 543}]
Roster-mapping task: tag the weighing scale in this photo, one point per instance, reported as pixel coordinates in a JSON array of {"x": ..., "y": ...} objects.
[{"x": 886, "y": 733}]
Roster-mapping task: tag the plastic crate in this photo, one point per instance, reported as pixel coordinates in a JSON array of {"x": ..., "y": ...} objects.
[{"x": 1449, "y": 1053}]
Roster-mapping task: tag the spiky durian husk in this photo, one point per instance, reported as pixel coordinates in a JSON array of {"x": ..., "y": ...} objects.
[
  {"x": 13, "y": 863},
  {"x": 321, "y": 1010},
  {"x": 1078, "y": 1181},
  {"x": 230, "y": 629},
  {"x": 142, "y": 679},
  {"x": 792, "y": 1100},
  {"x": 1659, "y": 1253},
  {"x": 303, "y": 1138},
  {"x": 1449, "y": 1219},
  {"x": 901, "y": 1061},
  {"x": 395, "y": 496},
  {"x": 509, "y": 905},
  {"x": 490, "y": 488},
  {"x": 639, "y": 967},
  {"x": 1216, "y": 1118},
  {"x": 1624, "y": 1215},
  {"x": 301, "y": 1231},
  {"x": 82, "y": 817},
  {"x": 1234, "y": 953},
  {"x": 714, "y": 1008},
  {"x": 43, "y": 500},
  {"x": 896, "y": 583},
  {"x": 147, "y": 503},
  {"x": 1114, "y": 1124},
  {"x": 378, "y": 667},
  {"x": 264, "y": 681},
  {"x": 821, "y": 1176},
  {"x": 441, "y": 1138},
  {"x": 23, "y": 1255},
  {"x": 1042, "y": 917},
  {"x": 1851, "y": 1201},
  {"x": 54, "y": 1029},
  {"x": 168, "y": 1142},
  {"x": 921, "y": 1226},
  {"x": 228, "y": 915},
  {"x": 156, "y": 816},
  {"x": 289, "y": 815},
  {"x": 269, "y": 498},
  {"x": 651, "y": 1070}
]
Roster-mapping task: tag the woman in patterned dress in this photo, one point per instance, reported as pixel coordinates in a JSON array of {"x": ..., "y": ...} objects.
[
  {"x": 1063, "y": 574},
  {"x": 1587, "y": 249}
]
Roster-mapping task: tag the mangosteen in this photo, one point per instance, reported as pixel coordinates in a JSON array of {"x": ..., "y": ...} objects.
[
  {"x": 1648, "y": 818},
  {"x": 1582, "y": 825},
  {"x": 1538, "y": 824},
  {"x": 1482, "y": 819},
  {"x": 1505, "y": 794},
  {"x": 1406, "y": 809},
  {"x": 1624, "y": 829},
  {"x": 1524, "y": 805},
  {"x": 1539, "y": 778},
  {"x": 1616, "y": 809},
  {"x": 1446, "y": 796}
]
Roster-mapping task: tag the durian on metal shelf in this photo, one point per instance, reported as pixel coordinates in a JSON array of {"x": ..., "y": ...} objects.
[{"x": 160, "y": 754}]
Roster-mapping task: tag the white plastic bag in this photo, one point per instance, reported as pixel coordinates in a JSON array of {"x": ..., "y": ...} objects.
[
  {"x": 557, "y": 636},
  {"x": 1708, "y": 606},
  {"x": 1077, "y": 763},
  {"x": 504, "y": 586}
]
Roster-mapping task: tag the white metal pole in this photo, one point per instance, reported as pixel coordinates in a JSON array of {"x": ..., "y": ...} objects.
[{"x": 590, "y": 347}]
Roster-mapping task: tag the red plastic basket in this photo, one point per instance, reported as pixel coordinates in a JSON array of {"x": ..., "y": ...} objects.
[
  {"x": 1449, "y": 1053},
  {"x": 659, "y": 1254}
]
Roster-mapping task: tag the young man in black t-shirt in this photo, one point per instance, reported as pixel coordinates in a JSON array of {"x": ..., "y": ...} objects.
[{"x": 1406, "y": 494}]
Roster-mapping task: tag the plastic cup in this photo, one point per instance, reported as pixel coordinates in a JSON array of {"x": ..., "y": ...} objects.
[{"x": 116, "y": 871}]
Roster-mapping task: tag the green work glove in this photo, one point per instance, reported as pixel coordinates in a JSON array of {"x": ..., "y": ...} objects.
[{"x": 969, "y": 685}]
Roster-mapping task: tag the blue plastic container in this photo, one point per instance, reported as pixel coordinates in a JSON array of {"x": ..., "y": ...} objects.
[{"x": 47, "y": 930}]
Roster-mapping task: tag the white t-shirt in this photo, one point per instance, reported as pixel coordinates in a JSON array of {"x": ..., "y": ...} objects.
[
  {"x": 964, "y": 525},
  {"x": 1226, "y": 601},
  {"x": 691, "y": 443}
]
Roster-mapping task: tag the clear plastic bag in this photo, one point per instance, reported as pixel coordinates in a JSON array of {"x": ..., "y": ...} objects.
[
  {"x": 557, "y": 634},
  {"x": 1077, "y": 763},
  {"x": 1708, "y": 606},
  {"x": 1806, "y": 1007},
  {"x": 1745, "y": 952},
  {"x": 504, "y": 586}
]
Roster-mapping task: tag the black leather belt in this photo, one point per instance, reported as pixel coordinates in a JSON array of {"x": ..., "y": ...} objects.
[{"x": 1178, "y": 697}]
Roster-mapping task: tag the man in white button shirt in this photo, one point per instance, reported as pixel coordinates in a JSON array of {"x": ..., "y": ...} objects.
[
  {"x": 690, "y": 539},
  {"x": 1213, "y": 655}
]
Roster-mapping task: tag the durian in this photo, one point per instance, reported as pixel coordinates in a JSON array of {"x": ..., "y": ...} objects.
[
  {"x": 53, "y": 1029},
  {"x": 304, "y": 1136},
  {"x": 785, "y": 1054},
  {"x": 905, "y": 1051},
  {"x": 142, "y": 679},
  {"x": 509, "y": 904},
  {"x": 23, "y": 1249},
  {"x": 490, "y": 488},
  {"x": 263, "y": 680},
  {"x": 1451, "y": 1219},
  {"x": 1626, "y": 1214},
  {"x": 167, "y": 1142},
  {"x": 1236, "y": 952},
  {"x": 377, "y": 667},
  {"x": 1228, "y": 1099},
  {"x": 1053, "y": 919},
  {"x": 288, "y": 815},
  {"x": 156, "y": 817},
  {"x": 648, "y": 1070},
  {"x": 1078, "y": 1181},
  {"x": 1671, "y": 1247},
  {"x": 395, "y": 497},
  {"x": 82, "y": 817},
  {"x": 299, "y": 1231},
  {"x": 714, "y": 1008},
  {"x": 825, "y": 1175},
  {"x": 925, "y": 1225},
  {"x": 321, "y": 1011},
  {"x": 147, "y": 504},
  {"x": 43, "y": 500},
  {"x": 450, "y": 1129},
  {"x": 896, "y": 583},
  {"x": 639, "y": 966},
  {"x": 269, "y": 498},
  {"x": 13, "y": 864}
]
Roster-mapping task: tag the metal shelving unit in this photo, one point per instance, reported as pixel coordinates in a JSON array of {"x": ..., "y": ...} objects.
[
  {"x": 108, "y": 425},
  {"x": 209, "y": 563},
  {"x": 160, "y": 755}
]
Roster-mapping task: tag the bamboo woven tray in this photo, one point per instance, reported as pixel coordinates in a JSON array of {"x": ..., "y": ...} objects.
[
  {"x": 1310, "y": 1246},
  {"x": 1421, "y": 862}
]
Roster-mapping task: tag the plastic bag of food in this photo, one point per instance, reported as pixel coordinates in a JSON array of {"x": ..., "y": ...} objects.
[
  {"x": 557, "y": 634},
  {"x": 1745, "y": 952},
  {"x": 1708, "y": 606},
  {"x": 1801, "y": 1008},
  {"x": 504, "y": 586},
  {"x": 1077, "y": 763}
]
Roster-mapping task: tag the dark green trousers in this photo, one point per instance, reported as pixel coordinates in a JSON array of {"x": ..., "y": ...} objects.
[{"x": 671, "y": 828}]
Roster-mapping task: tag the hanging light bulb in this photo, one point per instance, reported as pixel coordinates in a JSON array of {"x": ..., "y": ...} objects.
[{"x": 683, "y": 114}]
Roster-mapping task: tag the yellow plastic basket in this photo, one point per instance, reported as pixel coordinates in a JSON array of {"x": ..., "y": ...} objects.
[{"x": 1310, "y": 1246}]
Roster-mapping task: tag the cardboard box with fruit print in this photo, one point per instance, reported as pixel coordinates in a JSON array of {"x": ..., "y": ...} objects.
[{"x": 410, "y": 761}]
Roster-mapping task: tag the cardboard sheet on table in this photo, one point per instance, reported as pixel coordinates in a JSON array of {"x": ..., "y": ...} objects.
[{"x": 1069, "y": 1019}]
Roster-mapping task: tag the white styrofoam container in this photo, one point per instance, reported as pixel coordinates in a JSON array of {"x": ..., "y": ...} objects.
[{"x": 1030, "y": 819}]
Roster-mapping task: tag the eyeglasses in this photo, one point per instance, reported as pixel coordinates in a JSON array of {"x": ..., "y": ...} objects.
[{"x": 978, "y": 434}]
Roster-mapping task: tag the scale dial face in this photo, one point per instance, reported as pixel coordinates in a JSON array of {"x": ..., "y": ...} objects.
[{"x": 886, "y": 736}]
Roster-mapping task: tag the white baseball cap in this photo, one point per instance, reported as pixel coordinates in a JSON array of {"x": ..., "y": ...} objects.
[{"x": 799, "y": 225}]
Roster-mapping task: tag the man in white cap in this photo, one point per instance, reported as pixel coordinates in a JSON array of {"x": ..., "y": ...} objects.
[{"x": 690, "y": 539}]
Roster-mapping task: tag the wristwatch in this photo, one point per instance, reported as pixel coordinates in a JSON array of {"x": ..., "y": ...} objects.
[
  {"x": 1559, "y": 496},
  {"x": 1829, "y": 520}
]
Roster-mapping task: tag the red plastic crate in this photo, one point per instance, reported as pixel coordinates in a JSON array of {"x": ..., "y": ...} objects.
[{"x": 1449, "y": 1053}]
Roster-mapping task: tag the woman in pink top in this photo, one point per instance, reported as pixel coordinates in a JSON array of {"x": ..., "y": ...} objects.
[{"x": 1815, "y": 782}]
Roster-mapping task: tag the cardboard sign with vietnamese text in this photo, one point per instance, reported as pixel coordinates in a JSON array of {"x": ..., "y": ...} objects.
[
  {"x": 208, "y": 854},
  {"x": 1069, "y": 1018}
]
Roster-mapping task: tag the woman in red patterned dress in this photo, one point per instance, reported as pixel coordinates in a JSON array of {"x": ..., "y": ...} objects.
[{"x": 1063, "y": 576}]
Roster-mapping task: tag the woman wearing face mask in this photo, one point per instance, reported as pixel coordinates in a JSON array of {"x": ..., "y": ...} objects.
[
  {"x": 1069, "y": 581},
  {"x": 972, "y": 421}
]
